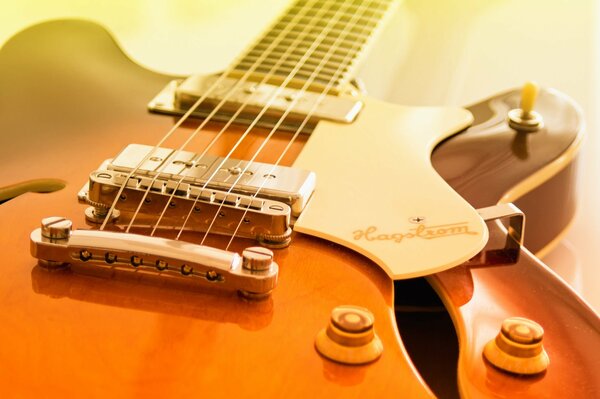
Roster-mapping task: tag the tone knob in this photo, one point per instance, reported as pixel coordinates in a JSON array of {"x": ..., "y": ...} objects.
[
  {"x": 525, "y": 119},
  {"x": 350, "y": 337},
  {"x": 518, "y": 347}
]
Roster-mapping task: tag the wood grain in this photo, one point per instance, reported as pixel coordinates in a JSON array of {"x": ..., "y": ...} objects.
[{"x": 70, "y": 334}]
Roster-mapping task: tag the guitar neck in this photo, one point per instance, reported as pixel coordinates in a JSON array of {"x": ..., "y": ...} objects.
[{"x": 315, "y": 44}]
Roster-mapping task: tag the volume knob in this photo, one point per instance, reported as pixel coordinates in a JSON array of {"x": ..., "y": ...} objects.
[
  {"x": 350, "y": 337},
  {"x": 518, "y": 347}
]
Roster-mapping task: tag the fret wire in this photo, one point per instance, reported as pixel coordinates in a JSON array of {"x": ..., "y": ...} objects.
[
  {"x": 300, "y": 75},
  {"x": 292, "y": 60},
  {"x": 339, "y": 51},
  {"x": 295, "y": 58},
  {"x": 311, "y": 112},
  {"x": 326, "y": 71},
  {"x": 250, "y": 127},
  {"x": 330, "y": 37},
  {"x": 353, "y": 42},
  {"x": 365, "y": 34},
  {"x": 373, "y": 16},
  {"x": 229, "y": 72},
  {"x": 366, "y": 13},
  {"x": 287, "y": 41}
]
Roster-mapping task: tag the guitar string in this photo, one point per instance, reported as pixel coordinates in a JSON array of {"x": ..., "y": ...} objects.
[
  {"x": 322, "y": 35},
  {"x": 293, "y": 46},
  {"x": 305, "y": 8},
  {"x": 347, "y": 29},
  {"x": 247, "y": 74},
  {"x": 299, "y": 40},
  {"x": 298, "y": 131}
]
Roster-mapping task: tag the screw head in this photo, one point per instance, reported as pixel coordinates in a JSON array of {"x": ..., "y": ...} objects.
[
  {"x": 56, "y": 228},
  {"x": 417, "y": 219},
  {"x": 257, "y": 258}
]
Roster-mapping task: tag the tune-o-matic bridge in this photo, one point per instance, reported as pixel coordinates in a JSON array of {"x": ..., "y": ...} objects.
[
  {"x": 253, "y": 200},
  {"x": 55, "y": 244}
]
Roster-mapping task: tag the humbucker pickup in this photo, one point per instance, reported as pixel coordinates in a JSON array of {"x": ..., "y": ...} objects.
[
  {"x": 254, "y": 200},
  {"x": 179, "y": 95}
]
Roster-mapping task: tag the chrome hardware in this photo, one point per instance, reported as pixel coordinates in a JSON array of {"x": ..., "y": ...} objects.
[
  {"x": 257, "y": 258},
  {"x": 512, "y": 220},
  {"x": 288, "y": 185},
  {"x": 56, "y": 229},
  {"x": 254, "y": 200},
  {"x": 179, "y": 95},
  {"x": 516, "y": 219},
  {"x": 257, "y": 218},
  {"x": 160, "y": 256}
]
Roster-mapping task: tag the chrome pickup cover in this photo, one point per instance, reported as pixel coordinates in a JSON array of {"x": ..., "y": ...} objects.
[
  {"x": 179, "y": 95},
  {"x": 288, "y": 185},
  {"x": 179, "y": 184}
]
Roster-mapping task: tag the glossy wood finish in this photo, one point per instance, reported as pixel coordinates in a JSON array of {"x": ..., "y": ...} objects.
[
  {"x": 162, "y": 332},
  {"x": 480, "y": 298},
  {"x": 69, "y": 100},
  {"x": 488, "y": 163}
]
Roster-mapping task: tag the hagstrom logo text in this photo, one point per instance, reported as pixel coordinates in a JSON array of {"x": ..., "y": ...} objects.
[{"x": 422, "y": 231}]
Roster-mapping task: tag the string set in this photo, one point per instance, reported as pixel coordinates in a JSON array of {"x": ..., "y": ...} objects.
[{"x": 307, "y": 7}]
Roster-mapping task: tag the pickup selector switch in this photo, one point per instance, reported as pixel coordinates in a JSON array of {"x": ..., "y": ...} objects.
[{"x": 525, "y": 119}]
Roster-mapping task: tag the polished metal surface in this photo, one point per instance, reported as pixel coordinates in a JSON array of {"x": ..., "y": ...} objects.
[
  {"x": 516, "y": 219},
  {"x": 279, "y": 183},
  {"x": 222, "y": 212},
  {"x": 257, "y": 258},
  {"x": 178, "y": 96},
  {"x": 159, "y": 256},
  {"x": 56, "y": 229}
]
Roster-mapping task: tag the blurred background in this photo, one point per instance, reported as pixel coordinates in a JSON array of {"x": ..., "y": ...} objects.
[{"x": 451, "y": 52}]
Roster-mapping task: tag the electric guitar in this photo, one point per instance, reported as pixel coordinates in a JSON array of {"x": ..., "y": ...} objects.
[{"x": 221, "y": 241}]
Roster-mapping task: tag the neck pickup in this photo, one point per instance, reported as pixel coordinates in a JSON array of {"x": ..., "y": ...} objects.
[{"x": 285, "y": 108}]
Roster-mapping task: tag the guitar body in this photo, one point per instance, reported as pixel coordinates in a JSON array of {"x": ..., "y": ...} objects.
[
  {"x": 69, "y": 333},
  {"x": 121, "y": 335}
]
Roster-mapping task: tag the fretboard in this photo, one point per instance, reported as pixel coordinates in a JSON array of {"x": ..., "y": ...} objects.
[{"x": 316, "y": 43}]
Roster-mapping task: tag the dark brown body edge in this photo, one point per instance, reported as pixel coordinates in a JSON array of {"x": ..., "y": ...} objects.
[{"x": 479, "y": 298}]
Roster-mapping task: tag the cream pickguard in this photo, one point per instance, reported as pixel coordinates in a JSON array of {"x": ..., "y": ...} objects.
[{"x": 375, "y": 182}]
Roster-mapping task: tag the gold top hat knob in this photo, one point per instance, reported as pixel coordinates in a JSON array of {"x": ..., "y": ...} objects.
[
  {"x": 518, "y": 347},
  {"x": 350, "y": 337},
  {"x": 525, "y": 119}
]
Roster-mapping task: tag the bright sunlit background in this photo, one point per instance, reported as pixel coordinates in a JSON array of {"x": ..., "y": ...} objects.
[{"x": 434, "y": 52}]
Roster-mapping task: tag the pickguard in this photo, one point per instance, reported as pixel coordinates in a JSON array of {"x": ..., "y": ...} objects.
[{"x": 378, "y": 194}]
